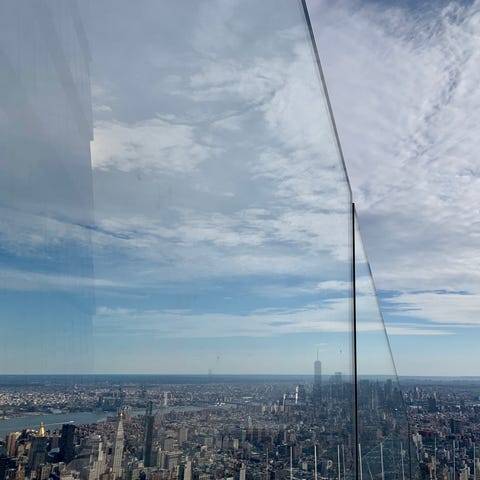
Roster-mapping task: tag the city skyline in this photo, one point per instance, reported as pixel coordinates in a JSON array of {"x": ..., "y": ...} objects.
[{"x": 248, "y": 428}]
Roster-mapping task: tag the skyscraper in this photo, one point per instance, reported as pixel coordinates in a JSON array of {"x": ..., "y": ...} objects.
[
  {"x": 38, "y": 450},
  {"x": 118, "y": 449},
  {"x": 67, "y": 443},
  {"x": 243, "y": 472},
  {"x": 182, "y": 435},
  {"x": 187, "y": 473},
  {"x": 317, "y": 381},
  {"x": 12, "y": 438},
  {"x": 97, "y": 459},
  {"x": 149, "y": 419}
]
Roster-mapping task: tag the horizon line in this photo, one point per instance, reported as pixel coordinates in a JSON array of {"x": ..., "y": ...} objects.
[{"x": 212, "y": 374}]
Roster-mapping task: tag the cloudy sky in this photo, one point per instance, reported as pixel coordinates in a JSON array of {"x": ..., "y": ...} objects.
[
  {"x": 213, "y": 231},
  {"x": 403, "y": 80}
]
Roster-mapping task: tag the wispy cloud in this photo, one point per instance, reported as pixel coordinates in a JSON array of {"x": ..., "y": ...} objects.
[
  {"x": 403, "y": 84},
  {"x": 437, "y": 307},
  {"x": 29, "y": 233},
  {"x": 169, "y": 324},
  {"x": 26, "y": 280},
  {"x": 153, "y": 146},
  {"x": 415, "y": 329},
  {"x": 329, "y": 316},
  {"x": 245, "y": 180}
]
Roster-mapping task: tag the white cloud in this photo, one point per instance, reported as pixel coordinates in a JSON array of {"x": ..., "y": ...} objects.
[
  {"x": 211, "y": 245},
  {"x": 278, "y": 168},
  {"x": 30, "y": 234},
  {"x": 329, "y": 317},
  {"x": 281, "y": 95},
  {"x": 287, "y": 187},
  {"x": 443, "y": 308},
  {"x": 414, "y": 329},
  {"x": 403, "y": 85},
  {"x": 11, "y": 279},
  {"x": 155, "y": 146},
  {"x": 214, "y": 22},
  {"x": 101, "y": 108}
]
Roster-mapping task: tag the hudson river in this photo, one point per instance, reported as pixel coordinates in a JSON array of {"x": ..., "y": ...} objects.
[
  {"x": 50, "y": 420},
  {"x": 54, "y": 420}
]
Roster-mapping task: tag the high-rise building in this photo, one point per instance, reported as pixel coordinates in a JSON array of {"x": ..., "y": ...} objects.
[
  {"x": 67, "y": 443},
  {"x": 182, "y": 435},
  {"x": 38, "y": 449},
  {"x": 317, "y": 381},
  {"x": 96, "y": 465},
  {"x": 187, "y": 472},
  {"x": 20, "y": 472},
  {"x": 12, "y": 438},
  {"x": 243, "y": 472},
  {"x": 43, "y": 472},
  {"x": 148, "y": 436},
  {"x": 7, "y": 467},
  {"x": 118, "y": 450}
]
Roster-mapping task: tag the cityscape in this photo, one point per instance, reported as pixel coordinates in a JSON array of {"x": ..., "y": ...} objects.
[
  {"x": 179, "y": 234},
  {"x": 236, "y": 427}
]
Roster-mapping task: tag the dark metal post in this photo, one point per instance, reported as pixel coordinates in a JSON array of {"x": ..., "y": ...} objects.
[{"x": 355, "y": 363}]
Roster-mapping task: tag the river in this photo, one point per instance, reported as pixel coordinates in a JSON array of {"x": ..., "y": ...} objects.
[
  {"x": 54, "y": 420},
  {"x": 50, "y": 420}
]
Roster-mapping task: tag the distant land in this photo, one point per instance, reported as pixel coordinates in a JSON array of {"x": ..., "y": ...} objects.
[{"x": 22, "y": 379}]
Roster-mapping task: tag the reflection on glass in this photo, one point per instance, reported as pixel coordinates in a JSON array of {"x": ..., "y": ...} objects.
[
  {"x": 180, "y": 157},
  {"x": 383, "y": 429},
  {"x": 45, "y": 190},
  {"x": 221, "y": 205},
  {"x": 223, "y": 215}
]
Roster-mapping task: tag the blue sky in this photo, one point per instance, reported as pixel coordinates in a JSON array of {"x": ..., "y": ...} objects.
[{"x": 214, "y": 232}]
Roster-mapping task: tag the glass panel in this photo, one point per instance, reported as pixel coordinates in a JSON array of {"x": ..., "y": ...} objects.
[
  {"x": 222, "y": 234},
  {"x": 46, "y": 196},
  {"x": 383, "y": 428},
  {"x": 169, "y": 170},
  {"x": 218, "y": 185}
]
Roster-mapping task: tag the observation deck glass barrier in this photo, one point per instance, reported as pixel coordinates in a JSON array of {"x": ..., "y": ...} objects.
[{"x": 177, "y": 237}]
